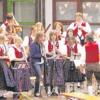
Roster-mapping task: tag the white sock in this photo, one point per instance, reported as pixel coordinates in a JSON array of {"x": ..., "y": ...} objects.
[
  {"x": 49, "y": 89},
  {"x": 56, "y": 89}
]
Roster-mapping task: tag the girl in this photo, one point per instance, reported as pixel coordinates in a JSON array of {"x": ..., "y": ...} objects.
[
  {"x": 54, "y": 71},
  {"x": 19, "y": 65},
  {"x": 36, "y": 56},
  {"x": 58, "y": 26},
  {"x": 7, "y": 81},
  {"x": 72, "y": 65}
]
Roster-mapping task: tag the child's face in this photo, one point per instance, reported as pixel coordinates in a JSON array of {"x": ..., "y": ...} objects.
[
  {"x": 58, "y": 27},
  {"x": 78, "y": 18},
  {"x": 41, "y": 39},
  {"x": 70, "y": 33},
  {"x": 17, "y": 42},
  {"x": 53, "y": 37}
]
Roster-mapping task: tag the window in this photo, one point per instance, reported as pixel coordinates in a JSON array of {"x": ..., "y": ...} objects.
[
  {"x": 3, "y": 10},
  {"x": 25, "y": 14},
  {"x": 64, "y": 11},
  {"x": 91, "y": 12}
]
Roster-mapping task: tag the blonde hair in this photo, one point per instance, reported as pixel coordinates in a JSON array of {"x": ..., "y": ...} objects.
[
  {"x": 53, "y": 32},
  {"x": 17, "y": 39},
  {"x": 37, "y": 26},
  {"x": 33, "y": 28},
  {"x": 1, "y": 30},
  {"x": 79, "y": 14},
  {"x": 60, "y": 24},
  {"x": 2, "y": 37}
]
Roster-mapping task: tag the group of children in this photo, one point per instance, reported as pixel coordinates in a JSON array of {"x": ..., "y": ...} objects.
[{"x": 55, "y": 58}]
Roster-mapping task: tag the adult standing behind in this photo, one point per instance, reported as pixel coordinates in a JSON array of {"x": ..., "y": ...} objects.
[
  {"x": 36, "y": 56},
  {"x": 80, "y": 28}
]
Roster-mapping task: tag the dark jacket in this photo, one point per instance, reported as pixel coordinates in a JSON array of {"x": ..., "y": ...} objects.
[{"x": 35, "y": 52}]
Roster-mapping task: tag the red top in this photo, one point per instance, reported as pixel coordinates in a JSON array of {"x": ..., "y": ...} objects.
[
  {"x": 50, "y": 46},
  {"x": 18, "y": 53},
  {"x": 76, "y": 30},
  {"x": 1, "y": 52},
  {"x": 92, "y": 52},
  {"x": 74, "y": 49}
]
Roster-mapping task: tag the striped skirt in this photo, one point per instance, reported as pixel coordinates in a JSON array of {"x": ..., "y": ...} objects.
[
  {"x": 54, "y": 72},
  {"x": 21, "y": 72}
]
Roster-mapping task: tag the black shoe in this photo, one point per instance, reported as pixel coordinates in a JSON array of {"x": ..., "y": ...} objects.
[{"x": 54, "y": 94}]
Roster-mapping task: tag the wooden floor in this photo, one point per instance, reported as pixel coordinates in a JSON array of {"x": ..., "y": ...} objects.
[
  {"x": 44, "y": 97},
  {"x": 74, "y": 95},
  {"x": 50, "y": 98},
  {"x": 79, "y": 91}
]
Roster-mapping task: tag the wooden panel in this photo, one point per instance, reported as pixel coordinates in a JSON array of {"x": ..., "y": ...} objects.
[{"x": 81, "y": 96}]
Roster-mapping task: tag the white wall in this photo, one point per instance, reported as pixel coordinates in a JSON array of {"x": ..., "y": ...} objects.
[{"x": 48, "y": 13}]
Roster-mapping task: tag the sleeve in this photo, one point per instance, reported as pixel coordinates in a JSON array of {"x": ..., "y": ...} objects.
[
  {"x": 71, "y": 26},
  {"x": 46, "y": 46},
  {"x": 11, "y": 54},
  {"x": 83, "y": 55},
  {"x": 87, "y": 28},
  {"x": 79, "y": 48},
  {"x": 62, "y": 48},
  {"x": 26, "y": 41},
  {"x": 99, "y": 46}
]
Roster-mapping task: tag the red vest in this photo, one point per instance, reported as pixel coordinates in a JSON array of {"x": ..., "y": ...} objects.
[
  {"x": 50, "y": 46},
  {"x": 74, "y": 49},
  {"x": 18, "y": 53},
  {"x": 76, "y": 30},
  {"x": 92, "y": 52},
  {"x": 1, "y": 52}
]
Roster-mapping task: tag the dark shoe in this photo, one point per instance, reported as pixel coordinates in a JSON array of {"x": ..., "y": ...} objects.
[{"x": 54, "y": 94}]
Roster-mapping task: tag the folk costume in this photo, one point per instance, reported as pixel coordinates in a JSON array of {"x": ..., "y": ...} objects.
[
  {"x": 54, "y": 71},
  {"x": 6, "y": 80},
  {"x": 71, "y": 72},
  {"x": 20, "y": 69}
]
